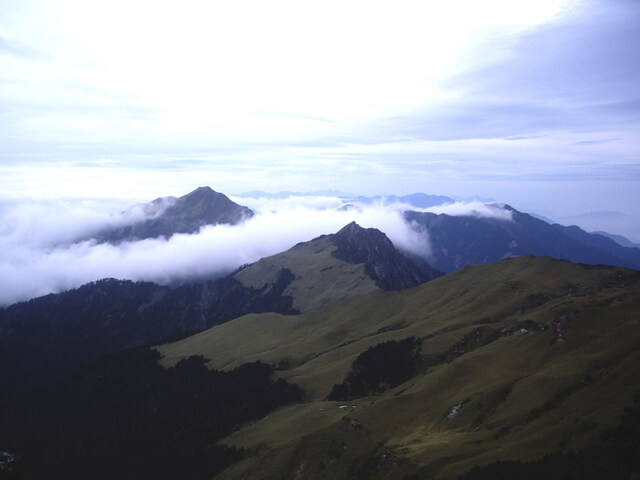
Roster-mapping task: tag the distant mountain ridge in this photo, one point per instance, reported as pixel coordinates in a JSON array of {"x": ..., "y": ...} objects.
[
  {"x": 186, "y": 214},
  {"x": 457, "y": 241},
  {"x": 418, "y": 200},
  {"x": 287, "y": 194},
  {"x": 619, "y": 239}
]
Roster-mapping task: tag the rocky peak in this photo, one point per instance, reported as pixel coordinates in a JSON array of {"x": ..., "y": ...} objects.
[
  {"x": 360, "y": 245},
  {"x": 387, "y": 266},
  {"x": 351, "y": 229}
]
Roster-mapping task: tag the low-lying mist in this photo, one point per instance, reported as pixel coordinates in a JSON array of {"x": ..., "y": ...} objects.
[{"x": 44, "y": 247}]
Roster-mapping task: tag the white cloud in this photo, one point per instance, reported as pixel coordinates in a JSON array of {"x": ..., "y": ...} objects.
[
  {"x": 46, "y": 224},
  {"x": 37, "y": 256}
]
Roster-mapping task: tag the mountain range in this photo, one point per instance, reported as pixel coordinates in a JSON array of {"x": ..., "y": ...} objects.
[
  {"x": 419, "y": 200},
  {"x": 457, "y": 241},
  {"x": 341, "y": 357},
  {"x": 75, "y": 327},
  {"x": 619, "y": 239}
]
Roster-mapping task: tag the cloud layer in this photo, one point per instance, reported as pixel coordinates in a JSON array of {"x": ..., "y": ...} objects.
[{"x": 40, "y": 252}]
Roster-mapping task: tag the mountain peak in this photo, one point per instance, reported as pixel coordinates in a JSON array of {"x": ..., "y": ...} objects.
[
  {"x": 387, "y": 266},
  {"x": 202, "y": 192},
  {"x": 330, "y": 268},
  {"x": 353, "y": 228},
  {"x": 203, "y": 206},
  {"x": 349, "y": 226}
]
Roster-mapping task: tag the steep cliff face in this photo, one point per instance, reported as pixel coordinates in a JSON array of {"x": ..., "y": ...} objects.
[{"x": 186, "y": 214}]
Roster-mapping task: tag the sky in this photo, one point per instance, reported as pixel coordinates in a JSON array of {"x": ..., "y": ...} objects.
[{"x": 532, "y": 103}]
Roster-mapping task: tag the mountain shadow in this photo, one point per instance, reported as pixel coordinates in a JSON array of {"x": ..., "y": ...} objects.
[
  {"x": 379, "y": 368},
  {"x": 125, "y": 416}
]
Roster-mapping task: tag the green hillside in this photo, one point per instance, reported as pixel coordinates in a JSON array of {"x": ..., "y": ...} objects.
[
  {"x": 320, "y": 278},
  {"x": 518, "y": 359},
  {"x": 331, "y": 268}
]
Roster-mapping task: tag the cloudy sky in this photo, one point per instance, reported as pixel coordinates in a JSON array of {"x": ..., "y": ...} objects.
[{"x": 533, "y": 103}]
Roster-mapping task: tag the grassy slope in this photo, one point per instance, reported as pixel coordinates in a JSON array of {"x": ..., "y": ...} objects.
[
  {"x": 523, "y": 395},
  {"x": 320, "y": 280}
]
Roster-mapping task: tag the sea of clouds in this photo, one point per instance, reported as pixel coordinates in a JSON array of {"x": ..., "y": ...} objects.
[{"x": 46, "y": 247}]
